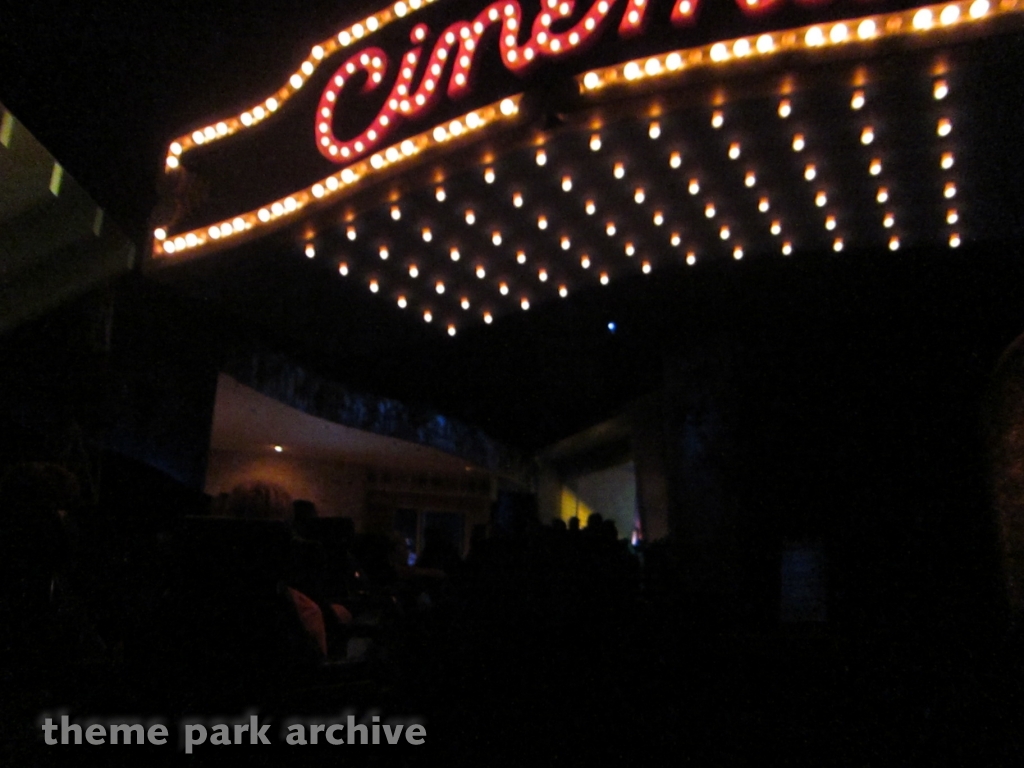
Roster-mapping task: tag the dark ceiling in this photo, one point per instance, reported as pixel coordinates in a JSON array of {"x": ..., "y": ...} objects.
[{"x": 105, "y": 88}]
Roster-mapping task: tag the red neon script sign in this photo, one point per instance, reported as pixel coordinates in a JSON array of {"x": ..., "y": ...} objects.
[{"x": 460, "y": 42}]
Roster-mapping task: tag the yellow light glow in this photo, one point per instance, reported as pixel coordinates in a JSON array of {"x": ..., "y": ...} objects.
[
  {"x": 776, "y": 227},
  {"x": 604, "y": 278},
  {"x": 525, "y": 304},
  {"x": 310, "y": 251},
  {"x": 396, "y": 212},
  {"x": 496, "y": 238},
  {"x": 798, "y": 142},
  {"x": 402, "y": 302},
  {"x": 675, "y": 160},
  {"x": 894, "y": 243},
  {"x": 451, "y": 330},
  {"x": 470, "y": 217},
  {"x": 949, "y": 191},
  {"x": 654, "y": 130},
  {"x": 481, "y": 273},
  {"x": 595, "y": 142},
  {"x": 645, "y": 267},
  {"x": 414, "y": 271},
  {"x": 785, "y": 108},
  {"x": 734, "y": 151},
  {"x": 810, "y": 172},
  {"x": 883, "y": 195},
  {"x": 830, "y": 223},
  {"x": 750, "y": 179},
  {"x": 717, "y": 120},
  {"x": 521, "y": 257},
  {"x": 488, "y": 318},
  {"x": 427, "y": 235},
  {"x": 675, "y": 239},
  {"x": 691, "y": 258},
  {"x": 590, "y": 208},
  {"x": 542, "y": 222},
  {"x": 455, "y": 255},
  {"x": 940, "y": 90},
  {"x": 658, "y": 218},
  {"x": 978, "y": 9},
  {"x": 503, "y": 289},
  {"x": 428, "y": 316},
  {"x": 820, "y": 199},
  {"x": 639, "y": 195},
  {"x": 951, "y": 216},
  {"x": 857, "y": 100},
  {"x": 737, "y": 253},
  {"x": 585, "y": 261},
  {"x": 724, "y": 233},
  {"x": 694, "y": 187},
  {"x": 542, "y": 157},
  {"x": 566, "y": 184},
  {"x": 787, "y": 248},
  {"x": 763, "y": 205},
  {"x": 954, "y": 240},
  {"x": 867, "y": 135},
  {"x": 343, "y": 269},
  {"x": 888, "y": 221},
  {"x": 489, "y": 175},
  {"x": 619, "y": 170},
  {"x": 876, "y": 167},
  {"x": 944, "y": 127},
  {"x": 709, "y": 210},
  {"x": 947, "y": 160},
  {"x": 464, "y": 302}
]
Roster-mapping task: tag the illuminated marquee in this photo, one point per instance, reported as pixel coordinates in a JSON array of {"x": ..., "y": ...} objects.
[{"x": 559, "y": 31}]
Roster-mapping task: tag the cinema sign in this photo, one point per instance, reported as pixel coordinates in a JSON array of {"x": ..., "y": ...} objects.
[{"x": 409, "y": 79}]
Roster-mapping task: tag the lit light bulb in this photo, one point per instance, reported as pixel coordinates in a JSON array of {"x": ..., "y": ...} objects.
[
  {"x": 619, "y": 170},
  {"x": 604, "y": 278},
  {"x": 310, "y": 250},
  {"x": 396, "y": 212},
  {"x": 658, "y": 219},
  {"x": 496, "y": 238},
  {"x": 763, "y": 205},
  {"x": 947, "y": 160},
  {"x": 857, "y": 100},
  {"x": 724, "y": 233},
  {"x": 867, "y": 135},
  {"x": 776, "y": 227},
  {"x": 694, "y": 187},
  {"x": 489, "y": 175},
  {"x": 630, "y": 249},
  {"x": 750, "y": 179},
  {"x": 820, "y": 199},
  {"x": 439, "y": 287},
  {"x": 737, "y": 253},
  {"x": 639, "y": 195},
  {"x": 876, "y": 167},
  {"x": 675, "y": 239},
  {"x": 590, "y": 208},
  {"x": 481, "y": 272},
  {"x": 470, "y": 218},
  {"x": 798, "y": 142},
  {"x": 940, "y": 90},
  {"x": 563, "y": 291},
  {"x": 810, "y": 172},
  {"x": 521, "y": 257},
  {"x": 954, "y": 240},
  {"x": 830, "y": 223},
  {"x": 951, "y": 216},
  {"x": 351, "y": 233},
  {"x": 734, "y": 151},
  {"x": 414, "y": 271},
  {"x": 566, "y": 184},
  {"x": 454, "y": 253},
  {"x": 883, "y": 195},
  {"x": 517, "y": 200},
  {"x": 595, "y": 142},
  {"x": 717, "y": 120},
  {"x": 894, "y": 243},
  {"x": 374, "y": 286},
  {"x": 503, "y": 289},
  {"x": 709, "y": 210},
  {"x": 888, "y": 221},
  {"x": 785, "y": 108},
  {"x": 440, "y": 194},
  {"x": 585, "y": 261},
  {"x": 427, "y": 235},
  {"x": 654, "y": 131},
  {"x": 675, "y": 160},
  {"x": 944, "y": 127},
  {"x": 565, "y": 243},
  {"x": 542, "y": 222},
  {"x": 542, "y": 157},
  {"x": 402, "y": 302},
  {"x": 646, "y": 267},
  {"x": 787, "y": 248}
]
